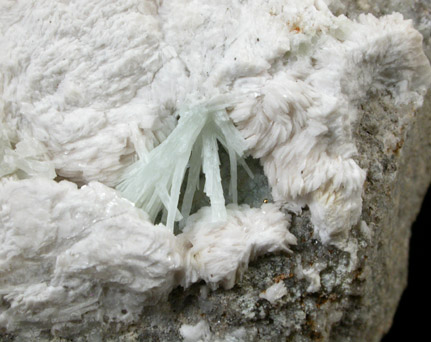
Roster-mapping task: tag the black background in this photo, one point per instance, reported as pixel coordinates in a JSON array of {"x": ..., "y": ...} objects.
[{"x": 413, "y": 315}]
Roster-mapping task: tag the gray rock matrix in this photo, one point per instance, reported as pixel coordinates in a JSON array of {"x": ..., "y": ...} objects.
[{"x": 350, "y": 305}]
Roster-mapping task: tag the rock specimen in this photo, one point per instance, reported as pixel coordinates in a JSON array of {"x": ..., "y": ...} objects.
[{"x": 139, "y": 96}]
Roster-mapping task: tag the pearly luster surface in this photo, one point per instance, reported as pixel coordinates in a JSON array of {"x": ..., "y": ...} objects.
[
  {"x": 95, "y": 82},
  {"x": 67, "y": 251},
  {"x": 89, "y": 253},
  {"x": 220, "y": 252},
  {"x": 78, "y": 77}
]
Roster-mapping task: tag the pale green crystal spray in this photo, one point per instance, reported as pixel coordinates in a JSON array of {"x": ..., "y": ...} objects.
[{"x": 155, "y": 182}]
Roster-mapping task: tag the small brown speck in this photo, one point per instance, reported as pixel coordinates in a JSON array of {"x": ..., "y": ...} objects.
[{"x": 280, "y": 277}]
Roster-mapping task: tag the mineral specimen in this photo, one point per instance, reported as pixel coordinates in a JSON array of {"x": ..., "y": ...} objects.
[{"x": 102, "y": 102}]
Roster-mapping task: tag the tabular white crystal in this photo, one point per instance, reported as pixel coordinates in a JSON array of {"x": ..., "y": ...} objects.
[
  {"x": 311, "y": 274},
  {"x": 275, "y": 292},
  {"x": 196, "y": 333},
  {"x": 70, "y": 253},
  {"x": 220, "y": 252},
  {"x": 67, "y": 251},
  {"x": 299, "y": 122}
]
